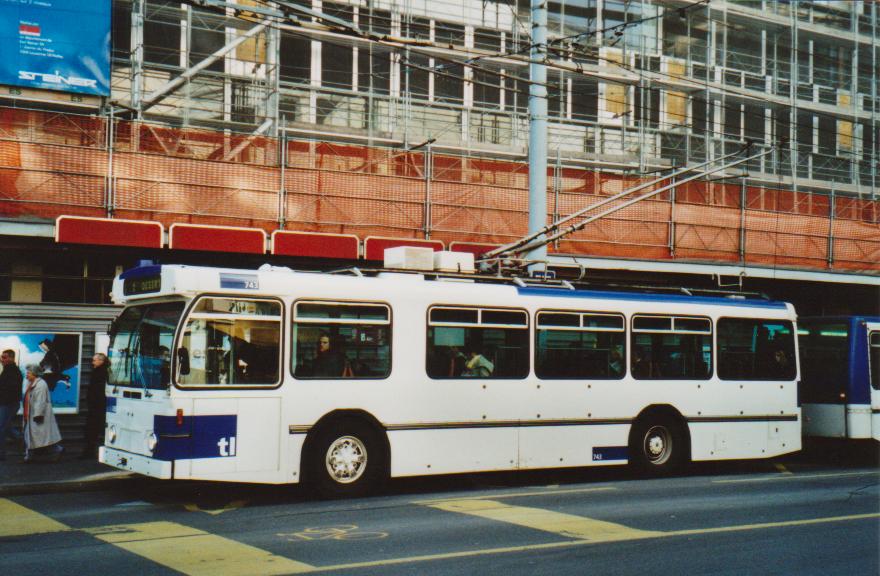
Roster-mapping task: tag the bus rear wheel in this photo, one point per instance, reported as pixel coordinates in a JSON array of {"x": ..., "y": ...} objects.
[
  {"x": 658, "y": 445},
  {"x": 347, "y": 459}
]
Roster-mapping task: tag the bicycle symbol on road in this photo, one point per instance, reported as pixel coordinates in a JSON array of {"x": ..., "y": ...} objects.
[{"x": 340, "y": 532}]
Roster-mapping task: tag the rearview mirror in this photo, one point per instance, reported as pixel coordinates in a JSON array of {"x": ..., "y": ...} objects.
[{"x": 182, "y": 361}]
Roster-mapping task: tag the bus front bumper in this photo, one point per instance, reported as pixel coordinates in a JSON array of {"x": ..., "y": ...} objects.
[{"x": 135, "y": 463}]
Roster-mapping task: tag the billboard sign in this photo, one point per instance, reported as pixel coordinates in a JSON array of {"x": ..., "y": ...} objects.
[
  {"x": 56, "y": 45},
  {"x": 58, "y": 355}
]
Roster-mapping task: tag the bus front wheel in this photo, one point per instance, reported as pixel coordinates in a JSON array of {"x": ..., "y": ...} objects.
[
  {"x": 658, "y": 445},
  {"x": 347, "y": 459}
]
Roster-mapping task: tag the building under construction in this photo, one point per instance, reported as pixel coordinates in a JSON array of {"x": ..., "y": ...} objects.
[{"x": 316, "y": 134}]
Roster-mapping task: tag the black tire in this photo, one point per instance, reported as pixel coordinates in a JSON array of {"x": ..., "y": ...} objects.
[
  {"x": 658, "y": 445},
  {"x": 347, "y": 458}
]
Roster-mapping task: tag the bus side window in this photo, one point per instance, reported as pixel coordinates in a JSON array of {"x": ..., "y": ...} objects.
[
  {"x": 754, "y": 349},
  {"x": 477, "y": 343},
  {"x": 333, "y": 340}
]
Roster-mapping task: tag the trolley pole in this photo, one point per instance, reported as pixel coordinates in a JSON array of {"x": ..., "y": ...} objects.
[{"x": 538, "y": 126}]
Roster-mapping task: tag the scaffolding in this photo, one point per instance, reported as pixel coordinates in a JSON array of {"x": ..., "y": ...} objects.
[{"x": 633, "y": 86}]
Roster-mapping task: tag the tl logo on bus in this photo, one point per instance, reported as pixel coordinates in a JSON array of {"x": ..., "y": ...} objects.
[{"x": 226, "y": 446}]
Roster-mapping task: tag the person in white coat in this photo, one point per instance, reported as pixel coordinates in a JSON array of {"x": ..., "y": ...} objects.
[{"x": 41, "y": 434}]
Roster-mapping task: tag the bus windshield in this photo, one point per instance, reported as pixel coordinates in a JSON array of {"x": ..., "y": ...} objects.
[{"x": 140, "y": 345}]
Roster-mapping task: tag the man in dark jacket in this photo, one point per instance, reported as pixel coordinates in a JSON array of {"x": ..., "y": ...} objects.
[{"x": 10, "y": 397}]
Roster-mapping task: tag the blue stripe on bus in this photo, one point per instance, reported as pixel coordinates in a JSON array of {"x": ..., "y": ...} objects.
[
  {"x": 634, "y": 296},
  {"x": 609, "y": 453},
  {"x": 239, "y": 281},
  {"x": 111, "y": 405},
  {"x": 142, "y": 271},
  {"x": 859, "y": 385},
  {"x": 196, "y": 437}
]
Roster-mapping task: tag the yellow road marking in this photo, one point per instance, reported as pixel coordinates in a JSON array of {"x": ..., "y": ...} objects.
[
  {"x": 234, "y": 505},
  {"x": 517, "y": 495},
  {"x": 16, "y": 520},
  {"x": 194, "y": 552},
  {"x": 572, "y": 543},
  {"x": 547, "y": 520},
  {"x": 793, "y": 477},
  {"x": 781, "y": 468}
]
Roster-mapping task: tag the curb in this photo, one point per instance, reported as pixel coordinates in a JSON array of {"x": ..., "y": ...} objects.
[{"x": 83, "y": 484}]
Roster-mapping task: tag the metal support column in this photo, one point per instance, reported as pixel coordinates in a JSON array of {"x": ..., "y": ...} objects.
[
  {"x": 672, "y": 218},
  {"x": 429, "y": 163},
  {"x": 138, "y": 10},
  {"x": 282, "y": 189},
  {"x": 831, "y": 230},
  {"x": 538, "y": 126},
  {"x": 109, "y": 189},
  {"x": 742, "y": 222}
]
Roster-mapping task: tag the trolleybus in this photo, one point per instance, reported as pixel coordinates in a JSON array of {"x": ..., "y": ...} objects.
[
  {"x": 341, "y": 381},
  {"x": 841, "y": 376}
]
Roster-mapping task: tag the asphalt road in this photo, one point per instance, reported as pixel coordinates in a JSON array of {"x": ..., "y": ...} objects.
[{"x": 817, "y": 513}]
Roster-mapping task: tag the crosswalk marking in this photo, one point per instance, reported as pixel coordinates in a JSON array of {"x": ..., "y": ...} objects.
[
  {"x": 194, "y": 552},
  {"x": 16, "y": 520},
  {"x": 560, "y": 523}
]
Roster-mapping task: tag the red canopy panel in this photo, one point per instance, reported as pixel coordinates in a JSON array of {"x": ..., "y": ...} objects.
[
  {"x": 108, "y": 232},
  {"x": 475, "y": 248},
  {"x": 217, "y": 239},
  {"x": 315, "y": 245},
  {"x": 374, "y": 246}
]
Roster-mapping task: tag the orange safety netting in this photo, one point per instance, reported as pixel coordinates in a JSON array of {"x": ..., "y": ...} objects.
[{"x": 54, "y": 163}]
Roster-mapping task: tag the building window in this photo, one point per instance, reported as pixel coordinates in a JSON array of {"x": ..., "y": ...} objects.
[
  {"x": 162, "y": 32},
  {"x": 477, "y": 343},
  {"x": 578, "y": 345},
  {"x": 295, "y": 58},
  {"x": 341, "y": 340}
]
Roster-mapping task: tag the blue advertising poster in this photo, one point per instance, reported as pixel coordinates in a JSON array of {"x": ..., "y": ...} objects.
[
  {"x": 57, "y": 354},
  {"x": 56, "y": 45}
]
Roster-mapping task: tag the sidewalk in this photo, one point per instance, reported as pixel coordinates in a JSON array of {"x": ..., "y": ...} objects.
[{"x": 69, "y": 474}]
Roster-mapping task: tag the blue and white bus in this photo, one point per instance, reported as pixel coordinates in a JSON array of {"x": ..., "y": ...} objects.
[
  {"x": 341, "y": 381},
  {"x": 840, "y": 363}
]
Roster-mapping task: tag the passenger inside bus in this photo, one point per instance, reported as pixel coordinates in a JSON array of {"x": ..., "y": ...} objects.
[
  {"x": 477, "y": 366},
  {"x": 329, "y": 362}
]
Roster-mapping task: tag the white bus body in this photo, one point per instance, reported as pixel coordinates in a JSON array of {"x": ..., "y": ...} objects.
[{"x": 383, "y": 414}]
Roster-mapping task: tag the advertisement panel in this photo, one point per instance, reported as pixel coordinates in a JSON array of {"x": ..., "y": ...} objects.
[
  {"x": 56, "y": 45},
  {"x": 58, "y": 356}
]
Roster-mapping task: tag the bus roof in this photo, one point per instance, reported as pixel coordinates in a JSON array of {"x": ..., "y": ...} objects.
[{"x": 155, "y": 280}]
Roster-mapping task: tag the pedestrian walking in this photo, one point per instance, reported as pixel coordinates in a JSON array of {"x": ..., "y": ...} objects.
[
  {"x": 10, "y": 398},
  {"x": 96, "y": 403},
  {"x": 41, "y": 434}
]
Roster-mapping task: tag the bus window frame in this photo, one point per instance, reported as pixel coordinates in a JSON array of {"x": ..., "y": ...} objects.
[
  {"x": 581, "y": 314},
  {"x": 291, "y": 366},
  {"x": 187, "y": 312},
  {"x": 672, "y": 317},
  {"x": 527, "y": 327}
]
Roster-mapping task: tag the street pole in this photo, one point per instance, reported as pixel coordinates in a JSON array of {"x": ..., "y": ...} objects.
[{"x": 538, "y": 126}]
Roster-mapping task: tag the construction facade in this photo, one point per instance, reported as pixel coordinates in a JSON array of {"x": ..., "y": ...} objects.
[{"x": 315, "y": 133}]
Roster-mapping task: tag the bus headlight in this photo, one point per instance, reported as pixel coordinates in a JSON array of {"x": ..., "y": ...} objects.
[
  {"x": 152, "y": 441},
  {"x": 111, "y": 434}
]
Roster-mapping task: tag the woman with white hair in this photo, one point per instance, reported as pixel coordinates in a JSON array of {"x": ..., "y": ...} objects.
[{"x": 40, "y": 428}]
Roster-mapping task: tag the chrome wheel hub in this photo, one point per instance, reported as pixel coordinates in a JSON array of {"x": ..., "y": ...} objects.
[
  {"x": 346, "y": 459},
  {"x": 658, "y": 444}
]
